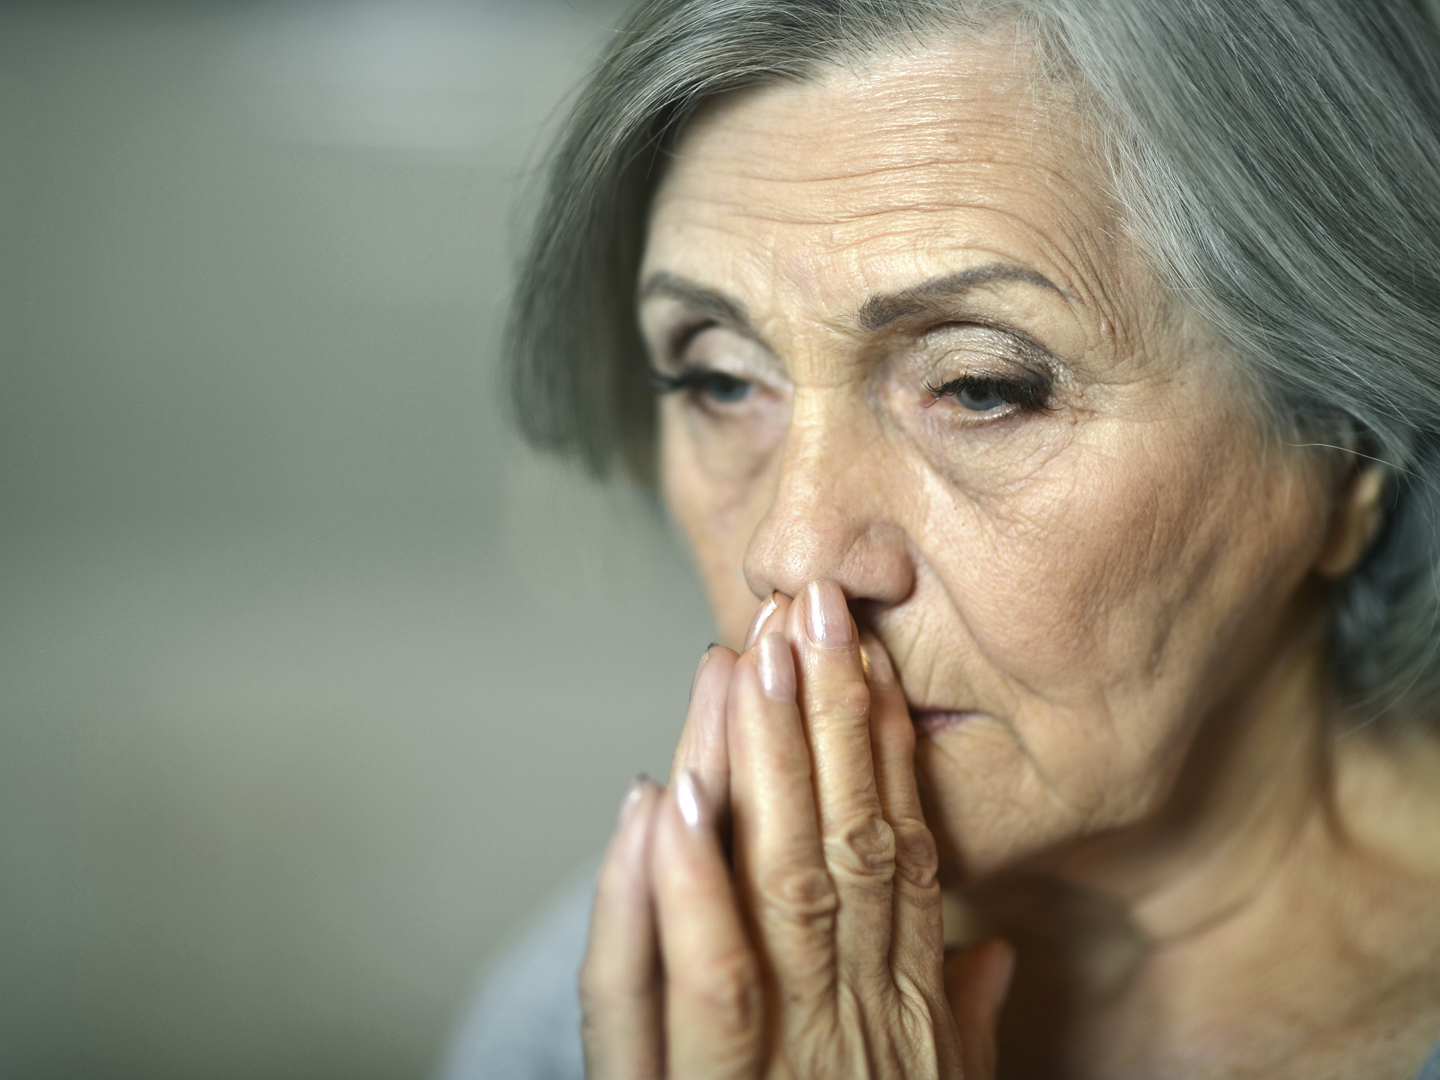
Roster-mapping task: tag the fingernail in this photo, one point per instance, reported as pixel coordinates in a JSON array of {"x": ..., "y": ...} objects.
[
  {"x": 877, "y": 665},
  {"x": 776, "y": 667},
  {"x": 689, "y": 799},
  {"x": 699, "y": 668},
  {"x": 828, "y": 619},
  {"x": 632, "y": 797},
  {"x": 766, "y": 610}
]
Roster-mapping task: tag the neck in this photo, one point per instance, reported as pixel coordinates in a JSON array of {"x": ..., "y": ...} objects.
[
  {"x": 1260, "y": 771},
  {"x": 1286, "y": 846}
]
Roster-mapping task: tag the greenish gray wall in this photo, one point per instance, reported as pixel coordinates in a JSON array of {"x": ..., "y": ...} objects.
[{"x": 313, "y": 684}]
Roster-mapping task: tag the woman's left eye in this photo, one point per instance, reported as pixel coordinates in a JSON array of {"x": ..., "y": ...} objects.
[{"x": 987, "y": 394}]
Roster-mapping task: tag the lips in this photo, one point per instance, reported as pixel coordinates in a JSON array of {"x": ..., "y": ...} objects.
[{"x": 934, "y": 721}]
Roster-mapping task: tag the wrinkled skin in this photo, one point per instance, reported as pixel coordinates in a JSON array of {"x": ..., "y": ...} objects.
[
  {"x": 834, "y": 871},
  {"x": 918, "y": 362}
]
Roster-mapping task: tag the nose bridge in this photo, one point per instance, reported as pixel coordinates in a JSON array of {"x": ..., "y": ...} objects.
[{"x": 830, "y": 515}]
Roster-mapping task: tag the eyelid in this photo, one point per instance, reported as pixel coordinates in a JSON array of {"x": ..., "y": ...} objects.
[
  {"x": 751, "y": 362},
  {"x": 667, "y": 327},
  {"x": 675, "y": 325},
  {"x": 992, "y": 326},
  {"x": 1015, "y": 358},
  {"x": 683, "y": 333}
]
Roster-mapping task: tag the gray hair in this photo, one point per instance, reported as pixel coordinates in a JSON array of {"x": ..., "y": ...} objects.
[{"x": 1279, "y": 162}]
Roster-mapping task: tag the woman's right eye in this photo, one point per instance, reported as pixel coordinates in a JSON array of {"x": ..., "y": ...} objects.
[
  {"x": 725, "y": 389},
  {"x": 715, "y": 386}
]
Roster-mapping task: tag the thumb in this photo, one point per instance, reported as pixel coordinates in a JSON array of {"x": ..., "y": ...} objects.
[{"x": 976, "y": 982}]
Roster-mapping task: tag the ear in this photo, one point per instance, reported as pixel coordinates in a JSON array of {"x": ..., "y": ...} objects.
[{"x": 1354, "y": 524}]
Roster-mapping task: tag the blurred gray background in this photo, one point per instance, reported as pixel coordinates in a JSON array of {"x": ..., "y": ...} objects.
[{"x": 314, "y": 684}]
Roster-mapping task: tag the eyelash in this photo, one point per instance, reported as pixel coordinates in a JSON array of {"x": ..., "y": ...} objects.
[
  {"x": 1027, "y": 397},
  {"x": 717, "y": 383}
]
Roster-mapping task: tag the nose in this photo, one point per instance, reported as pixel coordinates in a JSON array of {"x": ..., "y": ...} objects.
[{"x": 834, "y": 514}]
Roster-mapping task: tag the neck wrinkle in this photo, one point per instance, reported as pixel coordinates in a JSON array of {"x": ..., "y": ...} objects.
[{"x": 1260, "y": 773}]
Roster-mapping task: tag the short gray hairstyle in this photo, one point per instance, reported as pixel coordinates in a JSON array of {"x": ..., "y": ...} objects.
[{"x": 1279, "y": 162}]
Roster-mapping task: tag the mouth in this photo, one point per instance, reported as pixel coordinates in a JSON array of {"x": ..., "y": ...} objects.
[{"x": 933, "y": 721}]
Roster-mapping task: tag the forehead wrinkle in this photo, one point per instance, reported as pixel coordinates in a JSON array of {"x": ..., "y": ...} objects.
[
  {"x": 845, "y": 94},
  {"x": 822, "y": 149},
  {"x": 769, "y": 111},
  {"x": 830, "y": 203},
  {"x": 1067, "y": 244},
  {"x": 880, "y": 167},
  {"x": 904, "y": 225},
  {"x": 962, "y": 178}
]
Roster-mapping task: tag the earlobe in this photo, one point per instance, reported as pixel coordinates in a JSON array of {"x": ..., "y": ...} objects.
[{"x": 1354, "y": 524}]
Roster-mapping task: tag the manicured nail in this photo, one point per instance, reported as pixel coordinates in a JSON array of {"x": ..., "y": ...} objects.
[
  {"x": 632, "y": 799},
  {"x": 766, "y": 610},
  {"x": 828, "y": 622},
  {"x": 699, "y": 668},
  {"x": 776, "y": 667},
  {"x": 689, "y": 799},
  {"x": 877, "y": 666}
]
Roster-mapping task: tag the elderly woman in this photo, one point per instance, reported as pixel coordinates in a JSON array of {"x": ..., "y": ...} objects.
[{"x": 1060, "y": 378}]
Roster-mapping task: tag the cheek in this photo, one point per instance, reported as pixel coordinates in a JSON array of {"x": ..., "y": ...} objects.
[
  {"x": 1103, "y": 626},
  {"x": 718, "y": 510},
  {"x": 1128, "y": 575},
  {"x": 1058, "y": 591}
]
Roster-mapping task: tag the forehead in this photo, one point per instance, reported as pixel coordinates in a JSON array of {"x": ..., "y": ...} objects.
[{"x": 909, "y": 164}]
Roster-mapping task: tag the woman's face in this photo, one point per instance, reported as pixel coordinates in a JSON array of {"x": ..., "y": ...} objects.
[{"x": 915, "y": 353}]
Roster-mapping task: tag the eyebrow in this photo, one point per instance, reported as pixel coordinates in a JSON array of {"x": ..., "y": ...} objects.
[
  {"x": 881, "y": 311},
  {"x": 700, "y": 299},
  {"x": 876, "y": 313}
]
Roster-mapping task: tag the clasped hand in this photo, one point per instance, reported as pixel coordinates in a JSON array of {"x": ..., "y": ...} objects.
[{"x": 774, "y": 912}]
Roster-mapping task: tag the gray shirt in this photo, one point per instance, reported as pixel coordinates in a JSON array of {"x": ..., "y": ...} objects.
[{"x": 525, "y": 1024}]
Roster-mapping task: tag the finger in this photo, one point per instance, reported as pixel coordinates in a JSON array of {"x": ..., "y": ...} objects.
[
  {"x": 859, "y": 843},
  {"x": 892, "y": 734},
  {"x": 702, "y": 748},
  {"x": 977, "y": 981},
  {"x": 780, "y": 868},
  {"x": 769, "y": 616},
  {"x": 714, "y": 1020},
  {"x": 620, "y": 980},
  {"x": 918, "y": 928}
]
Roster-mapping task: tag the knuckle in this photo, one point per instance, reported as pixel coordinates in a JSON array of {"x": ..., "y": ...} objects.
[
  {"x": 917, "y": 860},
  {"x": 847, "y": 699},
  {"x": 804, "y": 895},
  {"x": 593, "y": 995},
  {"x": 864, "y": 848},
  {"x": 728, "y": 989}
]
